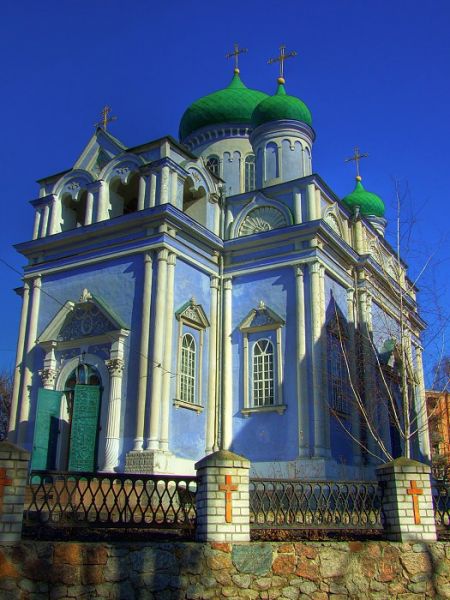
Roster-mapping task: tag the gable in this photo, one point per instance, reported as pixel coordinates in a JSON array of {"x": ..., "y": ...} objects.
[
  {"x": 261, "y": 318},
  {"x": 99, "y": 151},
  {"x": 88, "y": 317},
  {"x": 193, "y": 314}
]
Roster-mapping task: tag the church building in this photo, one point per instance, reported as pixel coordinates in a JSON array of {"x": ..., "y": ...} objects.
[{"x": 211, "y": 292}]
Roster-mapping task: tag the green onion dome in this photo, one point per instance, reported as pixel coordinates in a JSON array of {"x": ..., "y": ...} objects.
[
  {"x": 234, "y": 104},
  {"x": 369, "y": 204},
  {"x": 281, "y": 106}
]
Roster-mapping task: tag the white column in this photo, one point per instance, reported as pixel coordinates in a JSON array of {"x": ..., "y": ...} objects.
[
  {"x": 102, "y": 200},
  {"x": 302, "y": 377},
  {"x": 167, "y": 361},
  {"x": 112, "y": 437},
  {"x": 421, "y": 408},
  {"x": 141, "y": 192},
  {"x": 44, "y": 221},
  {"x": 212, "y": 369},
  {"x": 143, "y": 353},
  {"x": 12, "y": 436},
  {"x": 89, "y": 207},
  {"x": 297, "y": 207},
  {"x": 311, "y": 198},
  {"x": 173, "y": 187},
  {"x": 28, "y": 371},
  {"x": 320, "y": 406},
  {"x": 158, "y": 348},
  {"x": 227, "y": 369},
  {"x": 37, "y": 223},
  {"x": 164, "y": 191},
  {"x": 153, "y": 182},
  {"x": 355, "y": 416},
  {"x": 318, "y": 204},
  {"x": 53, "y": 215}
]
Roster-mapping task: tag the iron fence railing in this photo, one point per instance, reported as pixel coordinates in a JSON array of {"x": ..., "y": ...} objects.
[
  {"x": 441, "y": 505},
  {"x": 64, "y": 499},
  {"x": 290, "y": 504}
]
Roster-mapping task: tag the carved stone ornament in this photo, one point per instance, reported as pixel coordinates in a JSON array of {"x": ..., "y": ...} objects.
[
  {"x": 122, "y": 171},
  {"x": 115, "y": 366},
  {"x": 48, "y": 377},
  {"x": 333, "y": 222},
  {"x": 85, "y": 320},
  {"x": 85, "y": 295},
  {"x": 73, "y": 186},
  {"x": 263, "y": 218}
]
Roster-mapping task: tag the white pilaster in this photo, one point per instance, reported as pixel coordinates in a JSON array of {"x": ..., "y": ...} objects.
[
  {"x": 112, "y": 437},
  {"x": 173, "y": 188},
  {"x": 12, "y": 436},
  {"x": 44, "y": 221},
  {"x": 102, "y": 200},
  {"x": 152, "y": 195},
  {"x": 141, "y": 192},
  {"x": 164, "y": 191},
  {"x": 28, "y": 372},
  {"x": 227, "y": 370},
  {"x": 421, "y": 409},
  {"x": 297, "y": 207},
  {"x": 302, "y": 377},
  {"x": 320, "y": 406},
  {"x": 89, "y": 207},
  {"x": 158, "y": 351},
  {"x": 212, "y": 369},
  {"x": 37, "y": 223},
  {"x": 311, "y": 198},
  {"x": 167, "y": 360},
  {"x": 53, "y": 215},
  {"x": 143, "y": 353}
]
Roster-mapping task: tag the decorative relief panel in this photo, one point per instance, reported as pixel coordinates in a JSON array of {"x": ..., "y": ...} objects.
[
  {"x": 85, "y": 320},
  {"x": 263, "y": 218}
]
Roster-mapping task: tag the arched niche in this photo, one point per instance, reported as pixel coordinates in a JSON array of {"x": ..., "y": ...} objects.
[
  {"x": 123, "y": 197},
  {"x": 195, "y": 202},
  {"x": 73, "y": 210}
]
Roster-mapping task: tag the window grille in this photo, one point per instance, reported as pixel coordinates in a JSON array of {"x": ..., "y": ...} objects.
[
  {"x": 338, "y": 380},
  {"x": 212, "y": 163},
  {"x": 250, "y": 177},
  {"x": 263, "y": 374},
  {"x": 187, "y": 370}
]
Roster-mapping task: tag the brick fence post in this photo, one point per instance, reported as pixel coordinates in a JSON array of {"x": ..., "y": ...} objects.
[
  {"x": 222, "y": 499},
  {"x": 407, "y": 501},
  {"x": 13, "y": 479}
]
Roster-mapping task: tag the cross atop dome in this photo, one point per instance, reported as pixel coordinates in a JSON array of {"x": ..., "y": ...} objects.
[
  {"x": 281, "y": 58},
  {"x": 357, "y": 157},
  {"x": 235, "y": 54}
]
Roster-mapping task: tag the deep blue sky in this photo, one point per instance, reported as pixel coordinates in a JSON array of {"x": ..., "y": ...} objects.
[{"x": 373, "y": 73}]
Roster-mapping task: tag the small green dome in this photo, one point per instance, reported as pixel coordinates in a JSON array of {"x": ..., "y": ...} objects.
[
  {"x": 369, "y": 204},
  {"x": 279, "y": 107},
  {"x": 234, "y": 104}
]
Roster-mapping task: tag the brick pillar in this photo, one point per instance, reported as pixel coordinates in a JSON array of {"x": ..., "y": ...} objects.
[
  {"x": 222, "y": 499},
  {"x": 13, "y": 479},
  {"x": 407, "y": 501}
]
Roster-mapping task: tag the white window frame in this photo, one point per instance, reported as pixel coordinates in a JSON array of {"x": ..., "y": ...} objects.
[
  {"x": 263, "y": 373},
  {"x": 188, "y": 368}
]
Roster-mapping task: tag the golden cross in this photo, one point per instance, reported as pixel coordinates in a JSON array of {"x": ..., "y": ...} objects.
[
  {"x": 281, "y": 58},
  {"x": 415, "y": 492},
  {"x": 228, "y": 488},
  {"x": 4, "y": 481},
  {"x": 236, "y": 53},
  {"x": 105, "y": 118},
  {"x": 357, "y": 157}
]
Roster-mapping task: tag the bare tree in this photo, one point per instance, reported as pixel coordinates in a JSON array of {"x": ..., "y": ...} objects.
[{"x": 6, "y": 383}]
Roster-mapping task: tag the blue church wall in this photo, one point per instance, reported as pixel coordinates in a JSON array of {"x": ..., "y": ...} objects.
[
  {"x": 188, "y": 428},
  {"x": 334, "y": 293},
  {"x": 384, "y": 327},
  {"x": 257, "y": 435},
  {"x": 292, "y": 160},
  {"x": 341, "y": 442},
  {"x": 232, "y": 172},
  {"x": 272, "y": 161}
]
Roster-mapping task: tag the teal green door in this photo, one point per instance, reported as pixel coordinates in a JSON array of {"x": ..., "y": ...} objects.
[
  {"x": 84, "y": 428},
  {"x": 46, "y": 430}
]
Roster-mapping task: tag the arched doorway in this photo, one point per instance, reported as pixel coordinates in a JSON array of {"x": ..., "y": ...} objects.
[{"x": 82, "y": 393}]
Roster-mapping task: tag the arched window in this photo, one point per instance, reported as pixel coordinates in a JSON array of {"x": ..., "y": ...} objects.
[
  {"x": 73, "y": 212},
  {"x": 213, "y": 164},
  {"x": 250, "y": 180},
  {"x": 263, "y": 374},
  {"x": 338, "y": 379},
  {"x": 187, "y": 369},
  {"x": 272, "y": 163}
]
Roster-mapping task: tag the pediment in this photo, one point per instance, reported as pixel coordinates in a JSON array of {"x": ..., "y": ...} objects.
[
  {"x": 193, "y": 314},
  {"x": 262, "y": 317},
  {"x": 99, "y": 151},
  {"x": 89, "y": 317}
]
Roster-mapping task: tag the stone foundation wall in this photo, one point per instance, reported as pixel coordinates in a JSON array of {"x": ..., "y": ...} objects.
[{"x": 309, "y": 570}]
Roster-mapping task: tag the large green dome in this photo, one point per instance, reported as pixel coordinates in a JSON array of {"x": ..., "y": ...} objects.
[
  {"x": 234, "y": 104},
  {"x": 279, "y": 107},
  {"x": 369, "y": 204}
]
